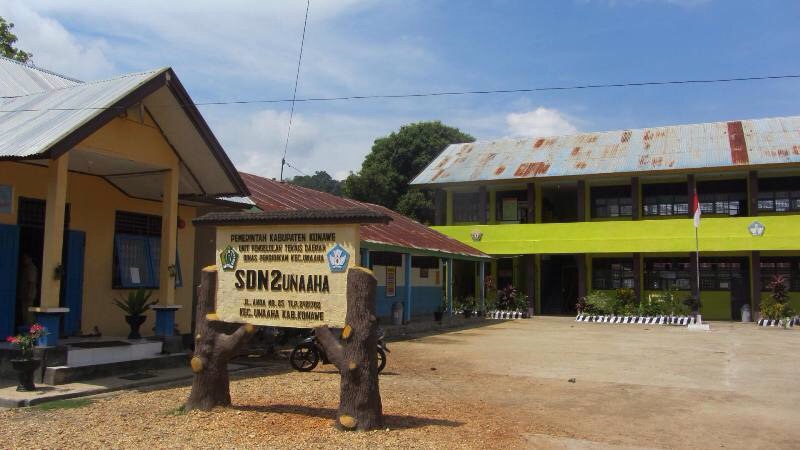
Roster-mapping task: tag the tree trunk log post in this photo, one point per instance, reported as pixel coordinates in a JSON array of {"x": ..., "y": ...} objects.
[
  {"x": 356, "y": 356},
  {"x": 216, "y": 343}
]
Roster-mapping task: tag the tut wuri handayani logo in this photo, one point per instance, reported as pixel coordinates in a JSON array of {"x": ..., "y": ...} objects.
[
  {"x": 338, "y": 258},
  {"x": 228, "y": 258}
]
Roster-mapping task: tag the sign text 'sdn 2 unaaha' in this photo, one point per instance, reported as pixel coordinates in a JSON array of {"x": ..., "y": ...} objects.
[{"x": 286, "y": 276}]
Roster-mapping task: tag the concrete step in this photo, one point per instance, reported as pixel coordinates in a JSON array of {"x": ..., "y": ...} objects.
[{"x": 69, "y": 374}]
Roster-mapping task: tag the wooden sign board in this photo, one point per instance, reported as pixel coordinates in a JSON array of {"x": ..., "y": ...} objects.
[{"x": 285, "y": 275}]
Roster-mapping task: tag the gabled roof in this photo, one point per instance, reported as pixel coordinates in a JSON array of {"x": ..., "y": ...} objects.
[
  {"x": 742, "y": 143},
  {"x": 401, "y": 234},
  {"x": 45, "y": 124},
  {"x": 18, "y": 79}
]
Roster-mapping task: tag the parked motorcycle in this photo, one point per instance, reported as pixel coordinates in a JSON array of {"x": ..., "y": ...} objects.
[{"x": 307, "y": 354}]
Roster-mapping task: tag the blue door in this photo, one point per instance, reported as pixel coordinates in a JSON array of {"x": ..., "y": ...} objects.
[
  {"x": 9, "y": 256},
  {"x": 72, "y": 284}
]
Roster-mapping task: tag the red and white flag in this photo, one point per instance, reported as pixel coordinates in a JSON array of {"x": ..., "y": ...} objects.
[{"x": 696, "y": 208}]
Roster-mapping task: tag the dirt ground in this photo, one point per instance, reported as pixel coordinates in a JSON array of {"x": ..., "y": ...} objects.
[{"x": 506, "y": 385}]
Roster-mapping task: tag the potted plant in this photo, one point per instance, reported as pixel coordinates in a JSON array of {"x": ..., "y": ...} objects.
[
  {"x": 135, "y": 306},
  {"x": 777, "y": 308},
  {"x": 25, "y": 365},
  {"x": 468, "y": 306}
]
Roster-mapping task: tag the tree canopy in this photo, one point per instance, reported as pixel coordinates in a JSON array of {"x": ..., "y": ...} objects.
[
  {"x": 7, "y": 41},
  {"x": 320, "y": 181},
  {"x": 395, "y": 160}
]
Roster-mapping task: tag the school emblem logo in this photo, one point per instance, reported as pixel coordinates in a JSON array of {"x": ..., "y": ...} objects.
[
  {"x": 338, "y": 258},
  {"x": 228, "y": 258},
  {"x": 756, "y": 228}
]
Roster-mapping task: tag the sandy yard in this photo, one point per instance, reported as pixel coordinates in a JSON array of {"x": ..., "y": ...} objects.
[{"x": 506, "y": 385}]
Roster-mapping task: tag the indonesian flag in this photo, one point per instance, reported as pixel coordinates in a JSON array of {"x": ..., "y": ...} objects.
[{"x": 696, "y": 208}]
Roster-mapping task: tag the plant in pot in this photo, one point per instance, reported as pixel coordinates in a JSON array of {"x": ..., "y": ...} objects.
[
  {"x": 135, "y": 306},
  {"x": 468, "y": 305},
  {"x": 777, "y": 307},
  {"x": 25, "y": 365}
]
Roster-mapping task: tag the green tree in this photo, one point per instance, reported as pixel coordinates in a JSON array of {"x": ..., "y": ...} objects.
[
  {"x": 320, "y": 181},
  {"x": 395, "y": 160},
  {"x": 7, "y": 41}
]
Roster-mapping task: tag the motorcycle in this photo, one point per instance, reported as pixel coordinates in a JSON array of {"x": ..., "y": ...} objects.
[{"x": 307, "y": 353}]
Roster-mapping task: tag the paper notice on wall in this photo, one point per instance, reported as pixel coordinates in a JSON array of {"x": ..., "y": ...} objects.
[
  {"x": 391, "y": 281},
  {"x": 135, "y": 278}
]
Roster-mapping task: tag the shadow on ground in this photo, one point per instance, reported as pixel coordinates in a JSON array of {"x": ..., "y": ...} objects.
[{"x": 392, "y": 421}]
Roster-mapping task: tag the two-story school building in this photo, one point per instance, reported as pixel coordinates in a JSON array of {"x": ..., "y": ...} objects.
[
  {"x": 565, "y": 215},
  {"x": 99, "y": 183}
]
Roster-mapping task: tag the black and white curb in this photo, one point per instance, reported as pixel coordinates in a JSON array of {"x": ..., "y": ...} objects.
[
  {"x": 777, "y": 322},
  {"x": 643, "y": 320},
  {"x": 505, "y": 315}
]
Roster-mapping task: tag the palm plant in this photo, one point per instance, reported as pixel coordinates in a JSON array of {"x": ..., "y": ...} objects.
[{"x": 137, "y": 302}]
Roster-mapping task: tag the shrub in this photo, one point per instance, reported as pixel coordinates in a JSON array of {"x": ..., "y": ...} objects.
[
  {"x": 596, "y": 302},
  {"x": 777, "y": 307}
]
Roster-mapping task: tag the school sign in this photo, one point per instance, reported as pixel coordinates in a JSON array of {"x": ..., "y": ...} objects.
[{"x": 286, "y": 269}]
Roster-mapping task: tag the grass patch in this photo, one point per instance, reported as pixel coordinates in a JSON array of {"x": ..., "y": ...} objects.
[
  {"x": 179, "y": 411},
  {"x": 63, "y": 404}
]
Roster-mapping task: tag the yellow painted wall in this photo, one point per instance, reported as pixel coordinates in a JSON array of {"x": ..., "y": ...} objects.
[
  {"x": 129, "y": 139},
  {"x": 645, "y": 236},
  {"x": 93, "y": 203}
]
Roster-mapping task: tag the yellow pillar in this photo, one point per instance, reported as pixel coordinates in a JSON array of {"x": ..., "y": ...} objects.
[
  {"x": 169, "y": 236},
  {"x": 54, "y": 231}
]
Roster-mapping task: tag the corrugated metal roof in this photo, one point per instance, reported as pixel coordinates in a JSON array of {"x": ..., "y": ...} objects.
[
  {"x": 272, "y": 195},
  {"x": 29, "y": 125},
  {"x": 680, "y": 147},
  {"x": 17, "y": 79},
  {"x": 327, "y": 215}
]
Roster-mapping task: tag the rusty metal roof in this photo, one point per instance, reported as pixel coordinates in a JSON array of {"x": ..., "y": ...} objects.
[
  {"x": 681, "y": 147},
  {"x": 401, "y": 232},
  {"x": 295, "y": 216}
]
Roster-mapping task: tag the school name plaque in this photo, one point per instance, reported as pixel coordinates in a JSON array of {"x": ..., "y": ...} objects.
[{"x": 285, "y": 275}]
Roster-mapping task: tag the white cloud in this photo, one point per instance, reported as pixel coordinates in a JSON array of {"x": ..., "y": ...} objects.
[
  {"x": 54, "y": 47},
  {"x": 335, "y": 143},
  {"x": 540, "y": 122}
]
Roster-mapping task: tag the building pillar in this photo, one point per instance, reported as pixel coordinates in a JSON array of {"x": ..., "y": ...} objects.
[
  {"x": 752, "y": 189},
  {"x": 364, "y": 257},
  {"x": 636, "y": 199},
  {"x": 693, "y": 282},
  {"x": 530, "y": 283},
  {"x": 448, "y": 208},
  {"x": 691, "y": 187},
  {"x": 450, "y": 285},
  {"x": 482, "y": 213},
  {"x": 531, "y": 198},
  {"x": 165, "y": 310},
  {"x": 755, "y": 284},
  {"x": 439, "y": 212},
  {"x": 581, "y": 200},
  {"x": 580, "y": 259},
  {"x": 482, "y": 284},
  {"x": 409, "y": 285},
  {"x": 49, "y": 313},
  {"x": 637, "y": 276}
]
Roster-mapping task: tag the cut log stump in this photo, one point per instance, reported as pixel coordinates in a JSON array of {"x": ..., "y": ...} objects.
[
  {"x": 355, "y": 356},
  {"x": 216, "y": 343}
]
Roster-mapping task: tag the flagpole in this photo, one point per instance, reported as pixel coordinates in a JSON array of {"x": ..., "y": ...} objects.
[{"x": 697, "y": 266}]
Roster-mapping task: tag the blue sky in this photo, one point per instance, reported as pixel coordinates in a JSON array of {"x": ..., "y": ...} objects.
[{"x": 248, "y": 50}]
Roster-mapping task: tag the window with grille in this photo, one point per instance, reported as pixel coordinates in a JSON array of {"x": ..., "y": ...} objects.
[
  {"x": 716, "y": 274},
  {"x": 611, "y": 201},
  {"x": 511, "y": 206},
  {"x": 665, "y": 199},
  {"x": 385, "y": 259},
  {"x": 137, "y": 252},
  {"x": 465, "y": 206},
  {"x": 612, "y": 273},
  {"x": 31, "y": 213},
  {"x": 779, "y": 194},
  {"x": 666, "y": 273},
  {"x": 724, "y": 197}
]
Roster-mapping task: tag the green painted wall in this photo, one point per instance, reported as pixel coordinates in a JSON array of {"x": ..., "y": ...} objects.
[{"x": 645, "y": 236}]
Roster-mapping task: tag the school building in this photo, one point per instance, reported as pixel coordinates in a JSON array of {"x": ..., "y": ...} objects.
[
  {"x": 99, "y": 183},
  {"x": 565, "y": 215}
]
